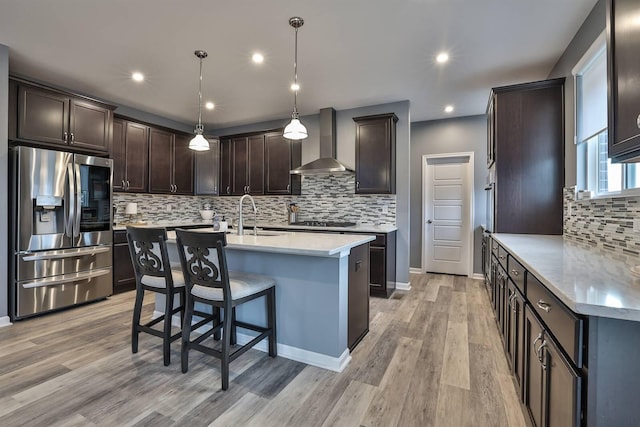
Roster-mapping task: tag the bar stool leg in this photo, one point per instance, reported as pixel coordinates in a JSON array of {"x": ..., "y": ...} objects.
[
  {"x": 137, "y": 310},
  {"x": 166, "y": 336},
  {"x": 271, "y": 322},
  {"x": 226, "y": 349},
  {"x": 186, "y": 332},
  {"x": 234, "y": 331},
  {"x": 216, "y": 322}
]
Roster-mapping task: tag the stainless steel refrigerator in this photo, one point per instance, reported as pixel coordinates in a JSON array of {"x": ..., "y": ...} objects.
[{"x": 61, "y": 225}]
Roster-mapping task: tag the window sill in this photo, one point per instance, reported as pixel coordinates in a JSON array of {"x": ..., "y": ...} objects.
[{"x": 630, "y": 192}]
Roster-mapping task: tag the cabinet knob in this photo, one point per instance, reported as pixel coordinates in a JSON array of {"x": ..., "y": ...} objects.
[
  {"x": 73, "y": 137},
  {"x": 357, "y": 185},
  {"x": 288, "y": 187},
  {"x": 515, "y": 272},
  {"x": 65, "y": 136},
  {"x": 429, "y": 221},
  {"x": 638, "y": 121}
]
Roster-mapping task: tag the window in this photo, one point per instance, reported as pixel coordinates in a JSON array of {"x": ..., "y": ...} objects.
[{"x": 596, "y": 171}]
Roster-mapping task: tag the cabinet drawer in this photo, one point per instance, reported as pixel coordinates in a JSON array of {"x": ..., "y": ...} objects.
[
  {"x": 516, "y": 273},
  {"x": 381, "y": 240},
  {"x": 120, "y": 236},
  {"x": 494, "y": 247},
  {"x": 563, "y": 324},
  {"x": 502, "y": 256}
]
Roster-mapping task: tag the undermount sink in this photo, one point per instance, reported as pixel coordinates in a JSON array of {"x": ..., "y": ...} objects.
[{"x": 265, "y": 233}]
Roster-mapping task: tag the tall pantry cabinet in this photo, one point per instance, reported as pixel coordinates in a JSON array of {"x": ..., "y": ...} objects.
[{"x": 526, "y": 143}]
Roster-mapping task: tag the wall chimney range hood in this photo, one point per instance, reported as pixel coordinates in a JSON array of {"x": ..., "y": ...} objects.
[{"x": 327, "y": 164}]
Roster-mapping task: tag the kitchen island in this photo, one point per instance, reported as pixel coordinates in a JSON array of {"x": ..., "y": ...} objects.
[{"x": 312, "y": 272}]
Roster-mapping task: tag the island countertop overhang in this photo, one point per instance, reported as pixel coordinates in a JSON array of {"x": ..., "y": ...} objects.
[{"x": 308, "y": 244}]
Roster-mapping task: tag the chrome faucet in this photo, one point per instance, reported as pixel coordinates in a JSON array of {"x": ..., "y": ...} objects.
[{"x": 255, "y": 215}]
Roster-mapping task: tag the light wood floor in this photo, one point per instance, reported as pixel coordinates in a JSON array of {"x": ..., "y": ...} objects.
[{"x": 432, "y": 357}]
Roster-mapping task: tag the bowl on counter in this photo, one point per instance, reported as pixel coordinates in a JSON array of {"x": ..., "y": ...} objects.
[{"x": 207, "y": 214}]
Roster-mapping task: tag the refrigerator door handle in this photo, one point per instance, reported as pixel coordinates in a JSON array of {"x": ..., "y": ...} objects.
[
  {"x": 71, "y": 203},
  {"x": 41, "y": 256},
  {"x": 76, "y": 226}
]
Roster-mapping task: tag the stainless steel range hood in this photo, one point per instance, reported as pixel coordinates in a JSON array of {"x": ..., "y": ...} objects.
[{"x": 327, "y": 164}]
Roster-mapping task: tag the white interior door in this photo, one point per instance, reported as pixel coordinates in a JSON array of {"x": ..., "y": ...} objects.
[{"x": 447, "y": 214}]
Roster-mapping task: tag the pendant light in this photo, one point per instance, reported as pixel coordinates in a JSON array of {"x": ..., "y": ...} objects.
[
  {"x": 199, "y": 142},
  {"x": 295, "y": 129}
]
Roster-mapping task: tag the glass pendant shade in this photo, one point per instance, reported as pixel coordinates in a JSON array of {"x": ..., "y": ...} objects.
[
  {"x": 295, "y": 130},
  {"x": 199, "y": 143}
]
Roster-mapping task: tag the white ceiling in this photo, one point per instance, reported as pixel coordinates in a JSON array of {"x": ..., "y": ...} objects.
[{"x": 352, "y": 53}]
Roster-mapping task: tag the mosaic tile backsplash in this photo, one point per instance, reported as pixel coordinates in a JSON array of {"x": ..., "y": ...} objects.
[
  {"x": 605, "y": 223},
  {"x": 323, "y": 198}
]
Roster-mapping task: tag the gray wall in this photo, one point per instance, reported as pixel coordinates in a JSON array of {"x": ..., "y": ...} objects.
[
  {"x": 586, "y": 35},
  {"x": 4, "y": 179},
  {"x": 346, "y": 132},
  {"x": 463, "y": 134}
]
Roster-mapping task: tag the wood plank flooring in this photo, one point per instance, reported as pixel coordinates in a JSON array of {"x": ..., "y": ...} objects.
[{"x": 433, "y": 357}]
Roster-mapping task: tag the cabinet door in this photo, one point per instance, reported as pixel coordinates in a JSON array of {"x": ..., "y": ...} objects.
[
  {"x": 563, "y": 391},
  {"x": 509, "y": 321},
  {"x": 358, "y": 298},
  {"x": 375, "y": 154},
  {"x": 240, "y": 163},
  {"x": 256, "y": 165},
  {"x": 89, "y": 126},
  {"x": 42, "y": 115},
  {"x": 183, "y": 165},
  {"x": 225, "y": 167},
  {"x": 124, "y": 278},
  {"x": 377, "y": 273},
  {"x": 137, "y": 155},
  {"x": 160, "y": 161},
  {"x": 207, "y": 170},
  {"x": 278, "y": 164},
  {"x": 535, "y": 375},
  {"x": 624, "y": 85},
  {"x": 517, "y": 340},
  {"x": 118, "y": 153}
]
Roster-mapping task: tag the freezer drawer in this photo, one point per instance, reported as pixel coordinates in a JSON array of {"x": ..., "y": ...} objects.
[
  {"x": 36, "y": 265},
  {"x": 41, "y": 295}
]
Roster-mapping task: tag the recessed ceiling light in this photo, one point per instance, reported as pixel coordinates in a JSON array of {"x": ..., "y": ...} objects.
[
  {"x": 209, "y": 105},
  {"x": 137, "y": 76},
  {"x": 257, "y": 58},
  {"x": 442, "y": 57},
  {"x": 295, "y": 86},
  {"x": 448, "y": 109}
]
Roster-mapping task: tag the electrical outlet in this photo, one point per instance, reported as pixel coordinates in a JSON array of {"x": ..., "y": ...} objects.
[
  {"x": 569, "y": 209},
  {"x": 385, "y": 209},
  {"x": 169, "y": 207},
  {"x": 636, "y": 225}
]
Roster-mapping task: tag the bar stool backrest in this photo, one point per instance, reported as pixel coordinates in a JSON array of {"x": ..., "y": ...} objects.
[
  {"x": 204, "y": 261},
  {"x": 148, "y": 248}
]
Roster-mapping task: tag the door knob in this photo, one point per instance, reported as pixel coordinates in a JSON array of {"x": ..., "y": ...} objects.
[{"x": 429, "y": 221}]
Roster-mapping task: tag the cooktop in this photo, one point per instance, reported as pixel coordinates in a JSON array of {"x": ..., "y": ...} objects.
[{"x": 325, "y": 223}]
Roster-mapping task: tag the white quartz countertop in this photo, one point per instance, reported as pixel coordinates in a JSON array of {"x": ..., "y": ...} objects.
[
  {"x": 590, "y": 281},
  {"x": 309, "y": 244},
  {"x": 360, "y": 228}
]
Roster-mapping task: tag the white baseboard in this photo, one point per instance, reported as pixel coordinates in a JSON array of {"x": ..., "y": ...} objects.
[
  {"x": 478, "y": 276},
  {"x": 336, "y": 364},
  {"x": 5, "y": 321},
  {"x": 401, "y": 286},
  {"x": 414, "y": 270}
]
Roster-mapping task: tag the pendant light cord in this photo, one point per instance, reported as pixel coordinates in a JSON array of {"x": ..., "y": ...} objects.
[
  {"x": 200, "y": 98},
  {"x": 295, "y": 74}
]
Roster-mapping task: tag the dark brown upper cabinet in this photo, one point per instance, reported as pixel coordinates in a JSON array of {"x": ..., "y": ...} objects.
[
  {"x": 529, "y": 157},
  {"x": 170, "y": 163},
  {"x": 247, "y": 165},
  {"x": 623, "y": 45},
  {"x": 376, "y": 154},
  {"x": 226, "y": 167},
  {"x": 129, "y": 152},
  {"x": 53, "y": 117},
  {"x": 281, "y": 155},
  {"x": 207, "y": 167}
]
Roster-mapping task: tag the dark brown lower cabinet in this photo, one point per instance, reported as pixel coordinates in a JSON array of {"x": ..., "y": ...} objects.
[
  {"x": 358, "y": 301},
  {"x": 553, "y": 387},
  {"x": 124, "y": 278},
  {"x": 515, "y": 334}
]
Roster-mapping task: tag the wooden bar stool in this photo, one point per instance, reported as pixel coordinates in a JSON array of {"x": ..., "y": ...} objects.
[
  {"x": 148, "y": 248},
  {"x": 208, "y": 281}
]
